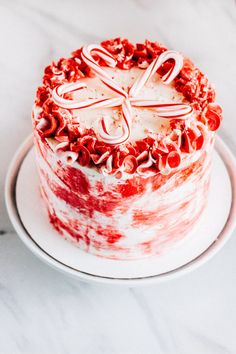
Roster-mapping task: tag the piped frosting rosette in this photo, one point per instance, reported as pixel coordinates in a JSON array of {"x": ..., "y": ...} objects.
[{"x": 113, "y": 153}]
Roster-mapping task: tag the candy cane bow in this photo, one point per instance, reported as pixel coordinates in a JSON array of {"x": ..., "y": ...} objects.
[{"x": 124, "y": 99}]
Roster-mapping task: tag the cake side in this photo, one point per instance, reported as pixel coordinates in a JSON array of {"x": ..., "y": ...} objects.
[
  {"x": 123, "y": 219},
  {"x": 125, "y": 176}
]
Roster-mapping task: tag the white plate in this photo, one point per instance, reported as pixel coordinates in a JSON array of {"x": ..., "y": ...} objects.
[{"x": 29, "y": 218}]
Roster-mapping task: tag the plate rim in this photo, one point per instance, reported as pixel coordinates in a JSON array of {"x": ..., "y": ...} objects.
[{"x": 10, "y": 199}]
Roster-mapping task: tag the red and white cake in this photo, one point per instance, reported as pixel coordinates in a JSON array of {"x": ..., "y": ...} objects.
[{"x": 124, "y": 135}]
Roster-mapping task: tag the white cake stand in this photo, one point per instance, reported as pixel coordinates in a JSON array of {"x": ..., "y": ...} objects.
[{"x": 30, "y": 221}]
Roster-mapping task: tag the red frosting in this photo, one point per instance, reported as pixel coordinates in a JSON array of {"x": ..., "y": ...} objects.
[{"x": 191, "y": 82}]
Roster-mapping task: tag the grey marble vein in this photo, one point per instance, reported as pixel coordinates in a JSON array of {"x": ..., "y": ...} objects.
[
  {"x": 204, "y": 343},
  {"x": 158, "y": 324}
]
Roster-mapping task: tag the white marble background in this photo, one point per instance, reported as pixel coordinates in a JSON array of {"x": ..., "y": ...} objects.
[{"x": 43, "y": 311}]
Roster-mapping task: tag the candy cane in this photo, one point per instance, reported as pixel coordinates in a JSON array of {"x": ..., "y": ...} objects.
[
  {"x": 154, "y": 66},
  {"x": 86, "y": 54},
  {"x": 75, "y": 104},
  {"x": 113, "y": 139},
  {"x": 125, "y": 99},
  {"x": 165, "y": 110}
]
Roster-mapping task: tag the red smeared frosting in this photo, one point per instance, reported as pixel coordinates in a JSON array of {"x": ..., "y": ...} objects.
[{"x": 154, "y": 153}]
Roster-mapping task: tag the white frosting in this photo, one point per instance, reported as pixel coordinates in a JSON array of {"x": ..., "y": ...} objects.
[
  {"x": 166, "y": 199},
  {"x": 144, "y": 120}
]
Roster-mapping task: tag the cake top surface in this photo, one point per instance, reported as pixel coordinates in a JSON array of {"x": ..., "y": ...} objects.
[{"x": 125, "y": 108}]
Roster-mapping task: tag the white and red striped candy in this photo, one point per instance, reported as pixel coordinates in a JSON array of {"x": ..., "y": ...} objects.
[{"x": 125, "y": 99}]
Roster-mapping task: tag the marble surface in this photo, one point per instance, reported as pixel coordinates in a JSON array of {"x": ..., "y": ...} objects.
[{"x": 43, "y": 311}]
